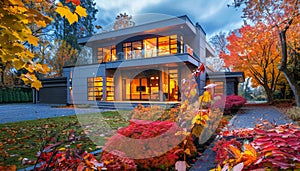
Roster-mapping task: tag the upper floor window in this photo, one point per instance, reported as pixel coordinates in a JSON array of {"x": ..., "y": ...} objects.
[
  {"x": 106, "y": 54},
  {"x": 144, "y": 48}
]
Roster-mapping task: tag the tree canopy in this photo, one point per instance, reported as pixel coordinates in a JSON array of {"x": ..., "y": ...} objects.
[
  {"x": 283, "y": 18},
  {"x": 18, "y": 19}
]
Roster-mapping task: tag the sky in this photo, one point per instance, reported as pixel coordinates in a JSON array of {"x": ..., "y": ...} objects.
[{"x": 213, "y": 15}]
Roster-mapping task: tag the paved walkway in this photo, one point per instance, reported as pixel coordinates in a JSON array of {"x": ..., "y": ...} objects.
[
  {"x": 28, "y": 111},
  {"x": 247, "y": 117}
]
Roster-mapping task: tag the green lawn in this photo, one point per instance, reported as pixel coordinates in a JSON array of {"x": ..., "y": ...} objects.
[{"x": 24, "y": 139}]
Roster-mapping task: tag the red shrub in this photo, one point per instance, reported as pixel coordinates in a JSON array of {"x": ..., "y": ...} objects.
[
  {"x": 230, "y": 103},
  {"x": 151, "y": 145}
]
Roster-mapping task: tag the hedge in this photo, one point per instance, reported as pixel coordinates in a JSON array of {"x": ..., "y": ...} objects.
[{"x": 15, "y": 95}]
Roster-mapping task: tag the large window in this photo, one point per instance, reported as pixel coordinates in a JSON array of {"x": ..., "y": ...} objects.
[
  {"x": 152, "y": 47},
  {"x": 107, "y": 54},
  {"x": 95, "y": 88},
  {"x": 110, "y": 89}
]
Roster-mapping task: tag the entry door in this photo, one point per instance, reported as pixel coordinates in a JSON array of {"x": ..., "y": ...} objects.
[
  {"x": 154, "y": 88},
  {"x": 139, "y": 89}
]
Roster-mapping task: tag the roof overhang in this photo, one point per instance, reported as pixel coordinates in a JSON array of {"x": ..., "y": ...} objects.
[{"x": 179, "y": 24}]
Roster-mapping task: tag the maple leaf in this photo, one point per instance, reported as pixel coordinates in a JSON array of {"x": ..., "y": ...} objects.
[
  {"x": 76, "y": 2},
  {"x": 65, "y": 11},
  {"x": 19, "y": 64},
  {"x": 80, "y": 11},
  {"x": 36, "y": 84}
]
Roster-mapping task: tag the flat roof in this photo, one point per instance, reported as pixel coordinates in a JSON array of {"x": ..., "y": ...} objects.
[
  {"x": 240, "y": 76},
  {"x": 144, "y": 26}
]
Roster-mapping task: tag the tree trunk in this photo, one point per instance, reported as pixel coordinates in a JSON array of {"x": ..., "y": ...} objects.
[
  {"x": 287, "y": 73},
  {"x": 270, "y": 94}
]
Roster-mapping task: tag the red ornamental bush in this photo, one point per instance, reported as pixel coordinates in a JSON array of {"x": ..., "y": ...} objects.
[
  {"x": 151, "y": 145},
  {"x": 232, "y": 103}
]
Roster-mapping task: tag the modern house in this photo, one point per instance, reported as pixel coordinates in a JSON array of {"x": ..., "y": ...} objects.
[{"x": 139, "y": 61}]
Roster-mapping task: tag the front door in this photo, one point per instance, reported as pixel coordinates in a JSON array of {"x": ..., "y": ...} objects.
[{"x": 143, "y": 87}]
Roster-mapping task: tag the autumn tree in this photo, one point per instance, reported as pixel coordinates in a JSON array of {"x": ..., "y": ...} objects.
[
  {"x": 16, "y": 37},
  {"x": 82, "y": 28},
  {"x": 282, "y": 17},
  {"x": 62, "y": 55},
  {"x": 254, "y": 51}
]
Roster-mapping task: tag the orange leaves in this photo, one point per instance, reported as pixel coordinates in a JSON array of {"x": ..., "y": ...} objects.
[
  {"x": 8, "y": 168},
  {"x": 76, "y": 2}
]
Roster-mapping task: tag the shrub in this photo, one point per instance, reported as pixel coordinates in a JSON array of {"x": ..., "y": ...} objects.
[
  {"x": 154, "y": 113},
  {"x": 150, "y": 152},
  {"x": 232, "y": 103}
]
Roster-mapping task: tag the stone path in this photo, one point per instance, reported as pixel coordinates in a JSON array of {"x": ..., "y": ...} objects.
[
  {"x": 28, "y": 111},
  {"x": 247, "y": 117}
]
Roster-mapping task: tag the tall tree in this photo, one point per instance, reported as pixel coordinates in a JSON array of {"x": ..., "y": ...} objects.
[
  {"x": 255, "y": 51},
  {"x": 284, "y": 16},
  {"x": 16, "y": 20}
]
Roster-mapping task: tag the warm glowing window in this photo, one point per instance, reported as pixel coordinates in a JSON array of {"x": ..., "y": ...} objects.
[
  {"x": 127, "y": 51},
  {"x": 110, "y": 89},
  {"x": 137, "y": 49},
  {"x": 219, "y": 88},
  {"x": 173, "y": 44},
  {"x": 150, "y": 47},
  {"x": 95, "y": 88},
  {"x": 107, "y": 54},
  {"x": 163, "y": 46}
]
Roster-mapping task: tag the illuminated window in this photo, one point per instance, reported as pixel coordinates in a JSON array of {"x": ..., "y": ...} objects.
[
  {"x": 127, "y": 51},
  {"x": 219, "y": 89},
  {"x": 163, "y": 46},
  {"x": 150, "y": 47},
  {"x": 107, "y": 54},
  {"x": 110, "y": 89},
  {"x": 95, "y": 91},
  {"x": 137, "y": 49}
]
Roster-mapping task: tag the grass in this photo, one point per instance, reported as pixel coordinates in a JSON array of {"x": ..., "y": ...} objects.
[{"x": 24, "y": 139}]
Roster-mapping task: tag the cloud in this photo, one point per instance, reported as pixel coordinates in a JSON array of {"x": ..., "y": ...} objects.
[{"x": 214, "y": 15}]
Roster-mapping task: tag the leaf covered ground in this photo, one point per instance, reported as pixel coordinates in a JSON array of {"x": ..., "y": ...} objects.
[{"x": 25, "y": 139}]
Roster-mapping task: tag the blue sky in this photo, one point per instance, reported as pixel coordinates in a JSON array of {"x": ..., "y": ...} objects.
[{"x": 213, "y": 15}]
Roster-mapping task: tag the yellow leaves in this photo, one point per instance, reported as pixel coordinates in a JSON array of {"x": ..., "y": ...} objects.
[
  {"x": 217, "y": 169},
  {"x": 31, "y": 79},
  {"x": 193, "y": 92},
  {"x": 205, "y": 97},
  {"x": 65, "y": 11},
  {"x": 32, "y": 40},
  {"x": 19, "y": 64},
  {"x": 81, "y": 11}
]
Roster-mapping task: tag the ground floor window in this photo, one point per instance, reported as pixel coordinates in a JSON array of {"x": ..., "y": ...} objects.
[
  {"x": 151, "y": 85},
  {"x": 110, "y": 89},
  {"x": 95, "y": 88}
]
